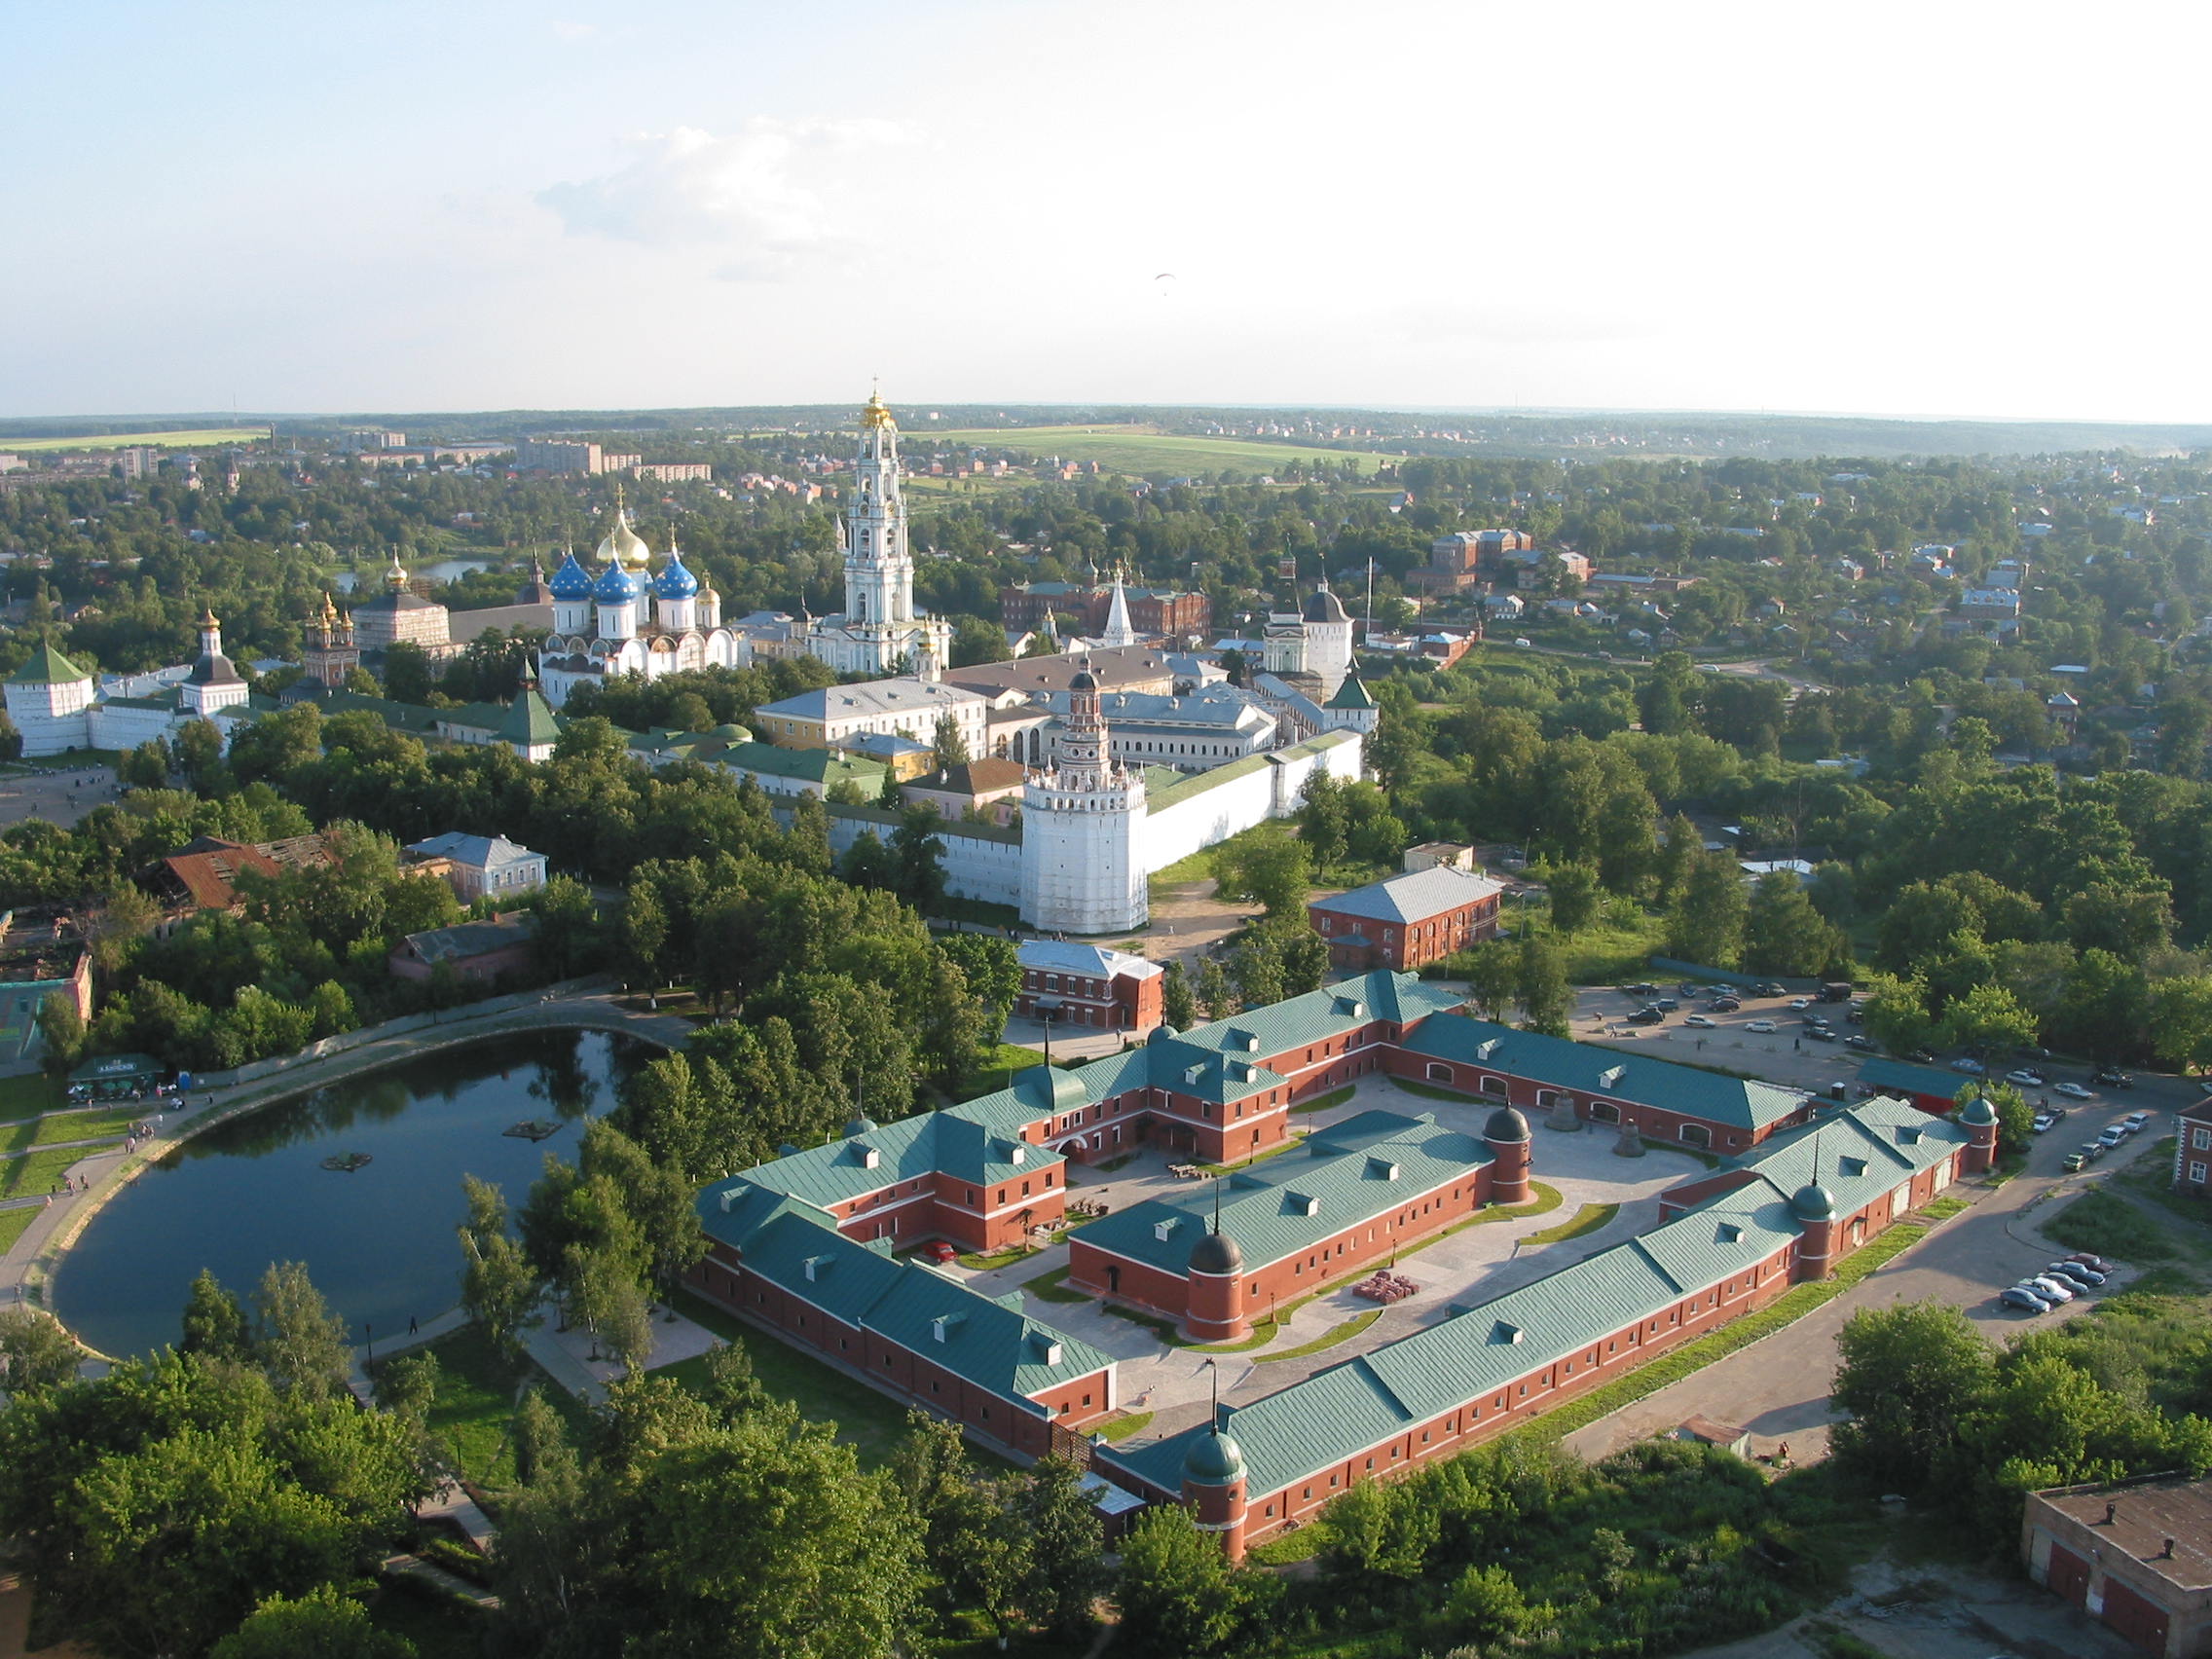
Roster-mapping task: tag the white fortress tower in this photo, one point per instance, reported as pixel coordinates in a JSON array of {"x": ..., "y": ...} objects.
[
  {"x": 880, "y": 624},
  {"x": 1080, "y": 826},
  {"x": 1328, "y": 636}
]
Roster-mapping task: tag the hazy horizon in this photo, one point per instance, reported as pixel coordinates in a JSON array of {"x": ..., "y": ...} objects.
[{"x": 1448, "y": 209}]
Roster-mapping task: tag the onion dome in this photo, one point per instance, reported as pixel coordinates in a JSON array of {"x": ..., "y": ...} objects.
[
  {"x": 571, "y": 580},
  {"x": 674, "y": 581},
  {"x": 616, "y": 586},
  {"x": 1322, "y": 606},
  {"x": 395, "y": 578},
  {"x": 1216, "y": 1253},
  {"x": 1813, "y": 1202},
  {"x": 623, "y": 545},
  {"x": 1213, "y": 1459},
  {"x": 1084, "y": 681},
  {"x": 1505, "y": 1124},
  {"x": 1978, "y": 1113}
]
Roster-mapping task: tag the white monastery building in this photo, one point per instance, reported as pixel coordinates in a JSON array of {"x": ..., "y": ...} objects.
[
  {"x": 879, "y": 628},
  {"x": 631, "y": 619},
  {"x": 56, "y": 706},
  {"x": 1081, "y": 825}
]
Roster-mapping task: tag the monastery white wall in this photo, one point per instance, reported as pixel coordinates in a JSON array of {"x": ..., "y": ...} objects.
[
  {"x": 1212, "y": 814},
  {"x": 123, "y": 726},
  {"x": 975, "y": 866}
]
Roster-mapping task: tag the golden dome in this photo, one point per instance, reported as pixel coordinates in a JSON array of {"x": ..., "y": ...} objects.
[
  {"x": 624, "y": 545},
  {"x": 395, "y": 578},
  {"x": 877, "y": 413}
]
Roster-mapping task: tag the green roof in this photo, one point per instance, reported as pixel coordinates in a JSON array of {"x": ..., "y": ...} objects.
[
  {"x": 1902, "y": 1076},
  {"x": 1187, "y": 787},
  {"x": 1554, "y": 1062},
  {"x": 1857, "y": 1155},
  {"x": 1351, "y": 695},
  {"x": 48, "y": 667},
  {"x": 1365, "y": 1167},
  {"x": 530, "y": 721},
  {"x": 809, "y": 765}
]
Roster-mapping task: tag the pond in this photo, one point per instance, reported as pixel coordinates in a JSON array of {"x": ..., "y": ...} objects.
[
  {"x": 444, "y": 571},
  {"x": 378, "y": 1241}
]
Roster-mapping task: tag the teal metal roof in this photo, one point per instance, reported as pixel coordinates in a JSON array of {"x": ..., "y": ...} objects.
[
  {"x": 1292, "y": 1202},
  {"x": 985, "y": 1341},
  {"x": 1858, "y": 1155},
  {"x": 811, "y": 765},
  {"x": 1552, "y": 1062},
  {"x": 48, "y": 667},
  {"x": 1187, "y": 787}
]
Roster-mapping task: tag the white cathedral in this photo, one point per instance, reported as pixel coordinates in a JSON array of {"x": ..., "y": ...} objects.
[
  {"x": 603, "y": 627},
  {"x": 879, "y": 628}
]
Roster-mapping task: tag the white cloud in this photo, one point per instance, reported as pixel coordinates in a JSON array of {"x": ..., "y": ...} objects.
[{"x": 765, "y": 198}]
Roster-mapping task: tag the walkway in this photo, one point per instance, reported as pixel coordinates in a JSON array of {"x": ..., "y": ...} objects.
[{"x": 105, "y": 1170}]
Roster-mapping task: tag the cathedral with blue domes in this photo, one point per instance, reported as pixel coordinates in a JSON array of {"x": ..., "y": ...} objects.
[{"x": 630, "y": 618}]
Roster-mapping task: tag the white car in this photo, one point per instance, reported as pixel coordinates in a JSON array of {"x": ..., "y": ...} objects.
[
  {"x": 2074, "y": 1091},
  {"x": 1761, "y": 1025},
  {"x": 2044, "y": 1121},
  {"x": 1697, "y": 1020},
  {"x": 2027, "y": 1075},
  {"x": 2052, "y": 1289},
  {"x": 1798, "y": 1005},
  {"x": 1521, "y": 642}
]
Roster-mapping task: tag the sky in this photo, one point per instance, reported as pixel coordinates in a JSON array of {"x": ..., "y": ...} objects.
[{"x": 1943, "y": 207}]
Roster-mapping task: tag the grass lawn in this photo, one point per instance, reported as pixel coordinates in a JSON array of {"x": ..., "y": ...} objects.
[
  {"x": 1323, "y": 1102},
  {"x": 872, "y": 1422},
  {"x": 199, "y": 438},
  {"x": 1328, "y": 1338},
  {"x": 1052, "y": 1287},
  {"x": 13, "y": 1222},
  {"x": 1125, "y": 1426},
  {"x": 28, "y": 1096},
  {"x": 2111, "y": 1226},
  {"x": 1142, "y": 449},
  {"x": 996, "y": 1065},
  {"x": 25, "y": 1133},
  {"x": 1619, "y": 947},
  {"x": 476, "y": 1405},
  {"x": 39, "y": 1172},
  {"x": 1588, "y": 1219},
  {"x": 1198, "y": 865}
]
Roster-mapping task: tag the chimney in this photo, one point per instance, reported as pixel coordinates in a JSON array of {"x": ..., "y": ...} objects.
[
  {"x": 2111, "y": 1509},
  {"x": 2167, "y": 1554}
]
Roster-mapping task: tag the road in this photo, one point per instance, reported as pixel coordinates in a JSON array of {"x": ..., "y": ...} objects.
[{"x": 1777, "y": 1389}]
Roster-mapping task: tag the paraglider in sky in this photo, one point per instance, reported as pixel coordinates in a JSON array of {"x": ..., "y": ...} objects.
[{"x": 1162, "y": 280}]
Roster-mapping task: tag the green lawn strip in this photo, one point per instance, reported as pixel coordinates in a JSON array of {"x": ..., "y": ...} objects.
[
  {"x": 2111, "y": 1226},
  {"x": 1053, "y": 1287},
  {"x": 1164, "y": 1329},
  {"x": 872, "y": 1421},
  {"x": 1125, "y": 1426},
  {"x": 474, "y": 1414},
  {"x": 1200, "y": 866},
  {"x": 1329, "y": 1338},
  {"x": 1286, "y": 1549},
  {"x": 23, "y": 1134},
  {"x": 39, "y": 1172},
  {"x": 1588, "y": 1219},
  {"x": 29, "y": 1095},
  {"x": 1263, "y": 1332},
  {"x": 13, "y": 1222},
  {"x": 1323, "y": 1102},
  {"x": 1290, "y": 1144},
  {"x": 991, "y": 1263},
  {"x": 1693, "y": 1357},
  {"x": 1943, "y": 1209}
]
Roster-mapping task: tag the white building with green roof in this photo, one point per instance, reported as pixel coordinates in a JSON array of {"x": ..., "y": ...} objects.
[{"x": 50, "y": 699}]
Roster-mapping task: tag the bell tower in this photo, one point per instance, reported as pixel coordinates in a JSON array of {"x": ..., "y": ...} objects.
[{"x": 331, "y": 655}]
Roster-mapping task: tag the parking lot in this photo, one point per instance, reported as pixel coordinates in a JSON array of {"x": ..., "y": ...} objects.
[{"x": 53, "y": 791}]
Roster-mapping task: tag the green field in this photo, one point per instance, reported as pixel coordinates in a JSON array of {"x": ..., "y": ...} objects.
[
  {"x": 201, "y": 438},
  {"x": 1145, "y": 449}
]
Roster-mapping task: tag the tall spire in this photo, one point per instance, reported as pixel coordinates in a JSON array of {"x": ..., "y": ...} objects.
[{"x": 1119, "y": 631}]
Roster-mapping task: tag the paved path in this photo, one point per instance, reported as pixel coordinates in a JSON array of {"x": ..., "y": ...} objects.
[{"x": 1778, "y": 1388}]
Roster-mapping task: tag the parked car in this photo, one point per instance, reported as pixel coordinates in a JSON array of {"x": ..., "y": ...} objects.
[
  {"x": 1865, "y": 1045},
  {"x": 1968, "y": 1065},
  {"x": 2108, "y": 1078},
  {"x": 2092, "y": 1150},
  {"x": 2042, "y": 1284},
  {"x": 2074, "y": 1091},
  {"x": 1668, "y": 1005},
  {"x": 1646, "y": 989},
  {"x": 1821, "y": 1034},
  {"x": 1919, "y": 1056},
  {"x": 2026, "y": 1301},
  {"x": 2113, "y": 1136},
  {"x": 1767, "y": 988},
  {"x": 1855, "y": 1017},
  {"x": 2087, "y": 1277},
  {"x": 1725, "y": 1005},
  {"x": 1647, "y": 1017},
  {"x": 2136, "y": 1121},
  {"x": 1798, "y": 1005},
  {"x": 1699, "y": 1020},
  {"x": 2027, "y": 1075},
  {"x": 2045, "y": 1121},
  {"x": 2073, "y": 1162},
  {"x": 1759, "y": 1025},
  {"x": 2090, "y": 1259}
]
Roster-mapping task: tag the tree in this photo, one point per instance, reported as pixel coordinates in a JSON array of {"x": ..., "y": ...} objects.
[
  {"x": 1547, "y": 1000},
  {"x": 1494, "y": 977},
  {"x": 499, "y": 1288},
  {"x": 61, "y": 1031},
  {"x": 2181, "y": 1022},
  {"x": 1179, "y": 1009},
  {"x": 1176, "y": 1589},
  {"x": 1213, "y": 990},
  {"x": 408, "y": 1386},
  {"x": 2015, "y": 1117},
  {"x": 950, "y": 744},
  {"x": 322, "y": 1624},
  {"x": 1486, "y": 1607},
  {"x": 1065, "y": 1576},
  {"x": 645, "y": 933},
  {"x": 1263, "y": 869},
  {"x": 407, "y": 676},
  {"x": 35, "y": 1351},
  {"x": 1706, "y": 924},
  {"x": 1988, "y": 1020},
  {"x": 1783, "y": 934},
  {"x": 300, "y": 1343},
  {"x": 1322, "y": 819},
  {"x": 1908, "y": 1374},
  {"x": 1575, "y": 892},
  {"x": 992, "y": 964},
  {"x": 214, "y": 1324},
  {"x": 200, "y": 756},
  {"x": 1667, "y": 700},
  {"x": 1255, "y": 963},
  {"x": 145, "y": 767},
  {"x": 566, "y": 940},
  {"x": 2106, "y": 1005},
  {"x": 917, "y": 855}
]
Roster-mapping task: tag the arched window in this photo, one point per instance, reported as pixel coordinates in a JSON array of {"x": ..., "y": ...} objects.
[
  {"x": 1696, "y": 1134},
  {"x": 1439, "y": 1072},
  {"x": 1494, "y": 1085},
  {"x": 1602, "y": 1111}
]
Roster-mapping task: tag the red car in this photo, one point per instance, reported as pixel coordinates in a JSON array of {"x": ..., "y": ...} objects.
[{"x": 941, "y": 1252}]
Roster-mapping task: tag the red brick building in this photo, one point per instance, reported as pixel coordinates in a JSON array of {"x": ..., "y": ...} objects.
[
  {"x": 1088, "y": 988},
  {"x": 2192, "y": 1149},
  {"x": 1407, "y": 921},
  {"x": 2135, "y": 1554},
  {"x": 478, "y": 952},
  {"x": 1152, "y": 610}
]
